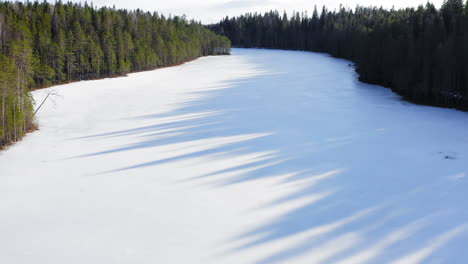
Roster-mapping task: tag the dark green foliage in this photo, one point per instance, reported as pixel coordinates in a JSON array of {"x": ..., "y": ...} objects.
[
  {"x": 15, "y": 102},
  {"x": 43, "y": 44},
  {"x": 421, "y": 53}
]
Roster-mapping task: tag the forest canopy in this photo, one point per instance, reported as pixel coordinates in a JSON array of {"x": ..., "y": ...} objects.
[
  {"x": 43, "y": 44},
  {"x": 421, "y": 53}
]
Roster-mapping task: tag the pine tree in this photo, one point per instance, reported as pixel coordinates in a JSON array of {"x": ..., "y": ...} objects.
[
  {"x": 50, "y": 44},
  {"x": 421, "y": 53}
]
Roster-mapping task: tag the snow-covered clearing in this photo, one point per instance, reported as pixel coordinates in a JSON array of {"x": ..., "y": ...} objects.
[{"x": 260, "y": 157}]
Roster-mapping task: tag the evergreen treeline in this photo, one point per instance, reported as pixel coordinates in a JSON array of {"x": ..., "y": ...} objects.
[
  {"x": 421, "y": 53},
  {"x": 43, "y": 44}
]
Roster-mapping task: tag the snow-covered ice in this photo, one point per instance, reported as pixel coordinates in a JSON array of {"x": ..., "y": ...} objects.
[{"x": 260, "y": 157}]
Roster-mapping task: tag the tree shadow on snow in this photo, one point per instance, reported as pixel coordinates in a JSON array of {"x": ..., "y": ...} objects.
[{"x": 350, "y": 146}]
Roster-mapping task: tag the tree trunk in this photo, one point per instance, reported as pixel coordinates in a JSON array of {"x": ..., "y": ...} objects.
[{"x": 3, "y": 104}]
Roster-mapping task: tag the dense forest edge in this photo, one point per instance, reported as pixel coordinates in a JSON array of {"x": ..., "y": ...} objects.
[
  {"x": 44, "y": 44},
  {"x": 420, "y": 53}
]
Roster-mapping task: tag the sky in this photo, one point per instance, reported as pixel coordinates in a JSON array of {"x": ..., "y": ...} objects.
[{"x": 211, "y": 11}]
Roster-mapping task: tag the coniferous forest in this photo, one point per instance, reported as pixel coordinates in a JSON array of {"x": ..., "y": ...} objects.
[
  {"x": 43, "y": 44},
  {"x": 421, "y": 53}
]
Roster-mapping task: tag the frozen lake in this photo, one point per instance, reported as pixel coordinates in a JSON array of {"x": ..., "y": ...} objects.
[{"x": 260, "y": 157}]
